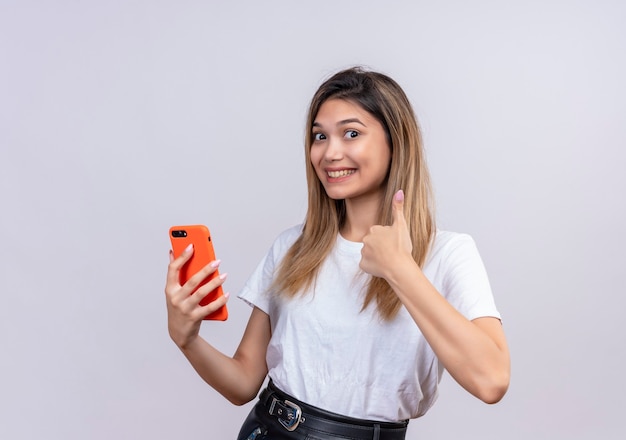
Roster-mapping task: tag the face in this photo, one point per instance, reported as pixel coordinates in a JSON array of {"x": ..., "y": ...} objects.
[{"x": 350, "y": 152}]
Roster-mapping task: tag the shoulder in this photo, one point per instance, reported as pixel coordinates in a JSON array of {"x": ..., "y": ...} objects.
[
  {"x": 448, "y": 242},
  {"x": 450, "y": 249},
  {"x": 289, "y": 236},
  {"x": 285, "y": 240}
]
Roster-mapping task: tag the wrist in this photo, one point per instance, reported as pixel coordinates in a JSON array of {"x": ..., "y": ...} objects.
[
  {"x": 401, "y": 269},
  {"x": 188, "y": 344},
  {"x": 184, "y": 342}
]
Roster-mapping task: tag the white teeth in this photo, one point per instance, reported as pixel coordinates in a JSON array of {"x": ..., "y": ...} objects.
[{"x": 342, "y": 173}]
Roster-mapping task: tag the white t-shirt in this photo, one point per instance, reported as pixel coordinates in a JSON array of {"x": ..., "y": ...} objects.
[{"x": 328, "y": 353}]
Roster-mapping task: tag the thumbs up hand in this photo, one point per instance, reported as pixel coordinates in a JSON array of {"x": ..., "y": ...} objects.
[{"x": 385, "y": 246}]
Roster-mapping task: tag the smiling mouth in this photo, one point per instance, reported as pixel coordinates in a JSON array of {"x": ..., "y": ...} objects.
[{"x": 342, "y": 173}]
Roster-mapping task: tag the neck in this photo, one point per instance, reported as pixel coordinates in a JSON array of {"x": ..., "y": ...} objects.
[{"x": 360, "y": 217}]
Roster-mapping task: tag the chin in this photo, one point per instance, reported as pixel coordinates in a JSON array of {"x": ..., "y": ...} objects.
[{"x": 337, "y": 195}]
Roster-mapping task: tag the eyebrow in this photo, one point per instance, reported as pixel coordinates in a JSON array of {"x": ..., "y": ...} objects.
[{"x": 343, "y": 122}]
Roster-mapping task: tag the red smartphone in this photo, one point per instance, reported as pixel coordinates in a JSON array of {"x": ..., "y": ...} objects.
[{"x": 203, "y": 254}]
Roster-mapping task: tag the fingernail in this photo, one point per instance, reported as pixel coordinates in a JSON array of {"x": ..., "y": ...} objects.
[
  {"x": 399, "y": 197},
  {"x": 227, "y": 295},
  {"x": 223, "y": 276},
  {"x": 189, "y": 248},
  {"x": 216, "y": 263}
]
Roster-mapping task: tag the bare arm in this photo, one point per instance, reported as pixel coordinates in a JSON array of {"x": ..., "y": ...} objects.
[
  {"x": 237, "y": 378},
  {"x": 474, "y": 352}
]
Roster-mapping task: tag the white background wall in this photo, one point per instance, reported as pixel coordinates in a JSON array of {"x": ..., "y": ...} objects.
[{"x": 121, "y": 118}]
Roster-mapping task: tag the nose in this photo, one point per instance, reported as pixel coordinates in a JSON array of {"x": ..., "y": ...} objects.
[{"x": 334, "y": 150}]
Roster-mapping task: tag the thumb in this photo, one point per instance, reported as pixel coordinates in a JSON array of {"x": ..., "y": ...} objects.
[{"x": 398, "y": 207}]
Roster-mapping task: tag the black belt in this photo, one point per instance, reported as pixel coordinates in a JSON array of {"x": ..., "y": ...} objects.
[{"x": 293, "y": 414}]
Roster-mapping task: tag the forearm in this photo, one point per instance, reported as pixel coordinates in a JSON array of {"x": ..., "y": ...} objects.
[
  {"x": 474, "y": 353},
  {"x": 230, "y": 376}
]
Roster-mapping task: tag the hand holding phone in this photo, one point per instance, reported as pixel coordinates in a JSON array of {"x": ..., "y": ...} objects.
[{"x": 200, "y": 237}]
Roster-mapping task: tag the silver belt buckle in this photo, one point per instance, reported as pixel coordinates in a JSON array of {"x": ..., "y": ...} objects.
[{"x": 293, "y": 419}]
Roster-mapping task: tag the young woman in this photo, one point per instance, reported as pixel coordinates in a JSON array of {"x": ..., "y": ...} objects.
[{"x": 356, "y": 312}]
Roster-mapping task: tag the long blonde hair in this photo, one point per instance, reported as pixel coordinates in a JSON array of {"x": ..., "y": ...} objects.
[{"x": 383, "y": 98}]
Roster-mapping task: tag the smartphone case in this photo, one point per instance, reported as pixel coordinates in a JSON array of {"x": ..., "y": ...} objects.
[{"x": 199, "y": 235}]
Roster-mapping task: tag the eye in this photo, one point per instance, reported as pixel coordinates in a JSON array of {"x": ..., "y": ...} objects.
[
  {"x": 351, "y": 134},
  {"x": 319, "y": 137}
]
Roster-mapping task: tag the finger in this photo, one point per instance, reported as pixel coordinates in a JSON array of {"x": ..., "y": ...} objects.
[
  {"x": 186, "y": 300},
  {"x": 197, "y": 279},
  {"x": 398, "y": 207},
  {"x": 176, "y": 263},
  {"x": 207, "y": 288},
  {"x": 211, "y": 307}
]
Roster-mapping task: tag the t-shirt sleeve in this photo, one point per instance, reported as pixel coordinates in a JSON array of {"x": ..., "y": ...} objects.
[
  {"x": 256, "y": 291},
  {"x": 466, "y": 284}
]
